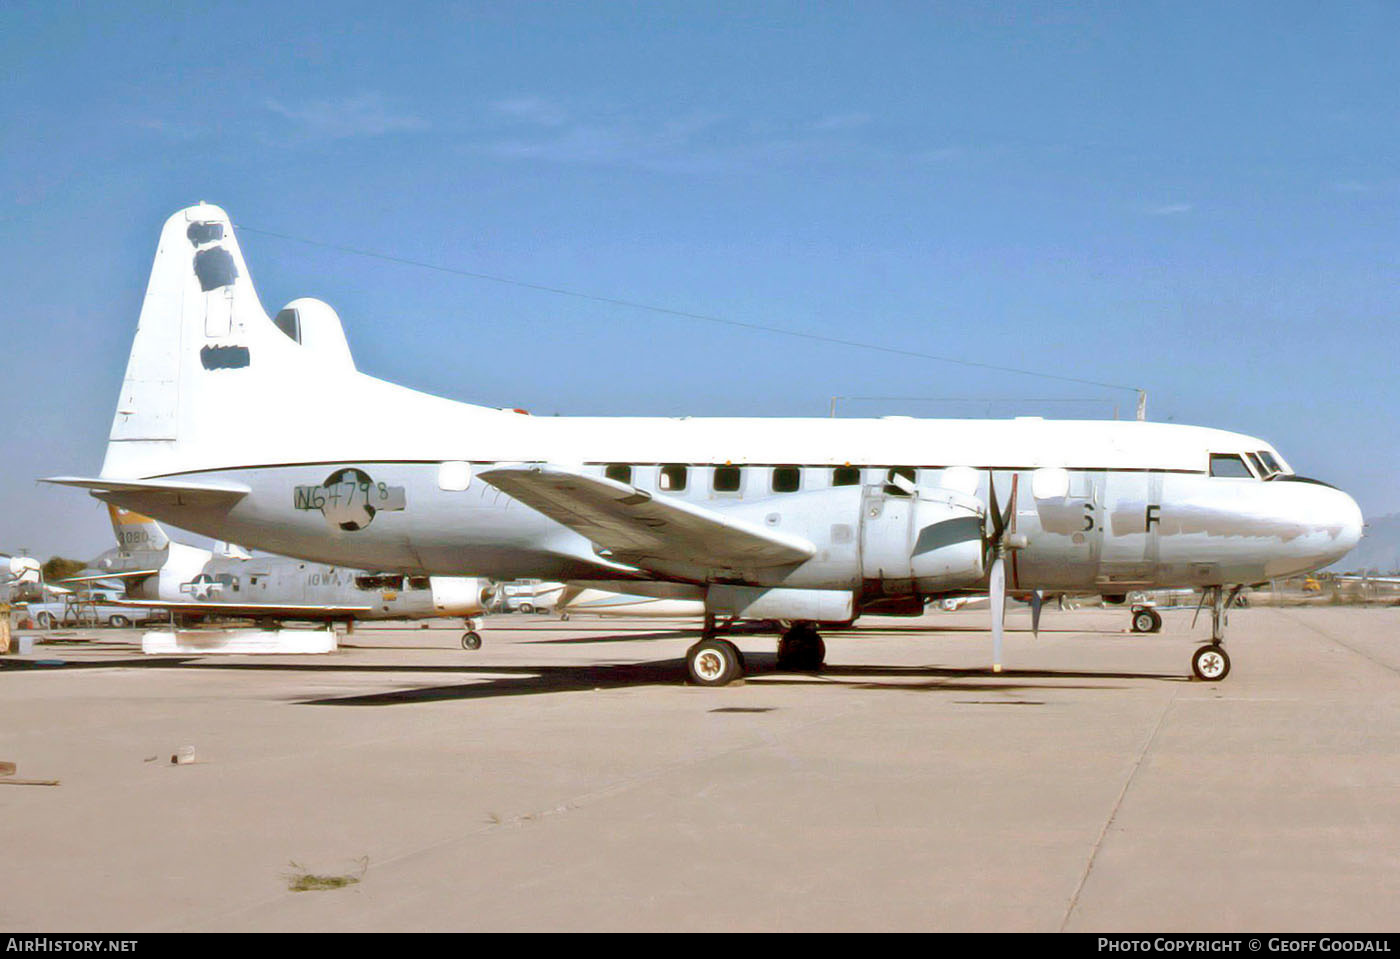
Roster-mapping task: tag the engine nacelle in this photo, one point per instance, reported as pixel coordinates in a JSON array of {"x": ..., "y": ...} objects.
[
  {"x": 947, "y": 551},
  {"x": 928, "y": 542},
  {"x": 462, "y": 595}
]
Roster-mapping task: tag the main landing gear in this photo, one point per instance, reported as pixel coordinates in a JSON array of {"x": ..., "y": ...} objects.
[
  {"x": 471, "y": 639},
  {"x": 1210, "y": 662},
  {"x": 717, "y": 662},
  {"x": 801, "y": 649}
]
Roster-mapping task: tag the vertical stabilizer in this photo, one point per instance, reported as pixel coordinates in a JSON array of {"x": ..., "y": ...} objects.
[
  {"x": 208, "y": 365},
  {"x": 136, "y": 533}
]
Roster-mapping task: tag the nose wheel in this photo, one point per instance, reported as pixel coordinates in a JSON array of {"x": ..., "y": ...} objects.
[{"x": 1211, "y": 663}]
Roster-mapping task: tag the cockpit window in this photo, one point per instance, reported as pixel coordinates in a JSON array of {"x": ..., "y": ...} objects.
[
  {"x": 1270, "y": 464},
  {"x": 1256, "y": 464},
  {"x": 1229, "y": 464}
]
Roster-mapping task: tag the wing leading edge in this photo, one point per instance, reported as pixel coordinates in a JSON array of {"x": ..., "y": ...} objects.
[{"x": 636, "y": 527}]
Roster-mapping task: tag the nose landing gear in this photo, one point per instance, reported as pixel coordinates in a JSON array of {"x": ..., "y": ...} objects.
[
  {"x": 471, "y": 639},
  {"x": 1210, "y": 662}
]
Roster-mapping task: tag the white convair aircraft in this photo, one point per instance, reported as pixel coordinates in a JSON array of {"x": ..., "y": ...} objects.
[{"x": 261, "y": 431}]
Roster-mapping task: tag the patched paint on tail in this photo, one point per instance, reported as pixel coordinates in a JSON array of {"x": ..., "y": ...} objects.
[
  {"x": 208, "y": 364},
  {"x": 198, "y": 282}
]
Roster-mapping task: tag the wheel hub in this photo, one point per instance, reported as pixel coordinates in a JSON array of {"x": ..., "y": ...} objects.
[{"x": 709, "y": 664}]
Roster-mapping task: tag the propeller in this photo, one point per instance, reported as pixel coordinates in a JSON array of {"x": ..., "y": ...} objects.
[{"x": 998, "y": 540}]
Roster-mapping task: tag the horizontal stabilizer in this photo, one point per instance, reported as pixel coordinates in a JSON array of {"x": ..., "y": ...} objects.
[
  {"x": 184, "y": 493},
  {"x": 639, "y": 528},
  {"x": 99, "y": 577}
]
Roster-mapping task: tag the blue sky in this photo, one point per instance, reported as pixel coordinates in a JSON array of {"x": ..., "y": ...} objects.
[{"x": 1200, "y": 199}]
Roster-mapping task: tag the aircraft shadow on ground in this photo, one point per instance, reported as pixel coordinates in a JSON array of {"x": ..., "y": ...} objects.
[
  {"x": 512, "y": 680},
  {"x": 762, "y": 671}
]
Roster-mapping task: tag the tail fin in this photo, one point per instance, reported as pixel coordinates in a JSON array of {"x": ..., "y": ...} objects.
[
  {"x": 137, "y": 533},
  {"x": 206, "y": 356}
]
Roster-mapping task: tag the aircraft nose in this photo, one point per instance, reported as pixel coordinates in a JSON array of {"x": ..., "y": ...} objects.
[{"x": 1336, "y": 518}]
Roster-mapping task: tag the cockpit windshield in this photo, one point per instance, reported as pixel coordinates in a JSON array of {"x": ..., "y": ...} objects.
[
  {"x": 1229, "y": 465},
  {"x": 1271, "y": 465}
]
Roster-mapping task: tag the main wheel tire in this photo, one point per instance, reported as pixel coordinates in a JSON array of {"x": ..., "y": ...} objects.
[
  {"x": 527, "y": 608},
  {"x": 46, "y": 620},
  {"x": 471, "y": 639},
  {"x": 1211, "y": 663},
  {"x": 1143, "y": 621},
  {"x": 714, "y": 662},
  {"x": 1156, "y": 621},
  {"x": 119, "y": 622},
  {"x": 801, "y": 650}
]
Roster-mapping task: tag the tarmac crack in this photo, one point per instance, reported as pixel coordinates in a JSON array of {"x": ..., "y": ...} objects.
[
  {"x": 1347, "y": 646},
  {"x": 1117, "y": 804}
]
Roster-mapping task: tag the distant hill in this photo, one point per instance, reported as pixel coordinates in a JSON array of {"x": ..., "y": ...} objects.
[{"x": 1379, "y": 549}]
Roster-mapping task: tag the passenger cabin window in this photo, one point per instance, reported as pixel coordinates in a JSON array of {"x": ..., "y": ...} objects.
[
  {"x": 419, "y": 582},
  {"x": 1229, "y": 465},
  {"x": 893, "y": 488},
  {"x": 673, "y": 477},
  {"x": 620, "y": 472},
  {"x": 787, "y": 479},
  {"x": 845, "y": 476},
  {"x": 727, "y": 479}
]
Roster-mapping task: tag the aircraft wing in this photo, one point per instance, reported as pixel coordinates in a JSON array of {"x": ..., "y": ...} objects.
[
  {"x": 186, "y": 493},
  {"x": 281, "y": 611},
  {"x": 635, "y": 526}
]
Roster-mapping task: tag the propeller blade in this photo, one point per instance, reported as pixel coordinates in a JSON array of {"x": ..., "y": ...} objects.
[
  {"x": 994, "y": 513},
  {"x": 997, "y": 594},
  {"x": 1037, "y": 604},
  {"x": 1008, "y": 519}
]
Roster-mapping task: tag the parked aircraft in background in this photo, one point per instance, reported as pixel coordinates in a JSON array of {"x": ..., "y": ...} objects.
[
  {"x": 20, "y": 569},
  {"x": 530, "y": 596},
  {"x": 260, "y": 430},
  {"x": 195, "y": 583}
]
